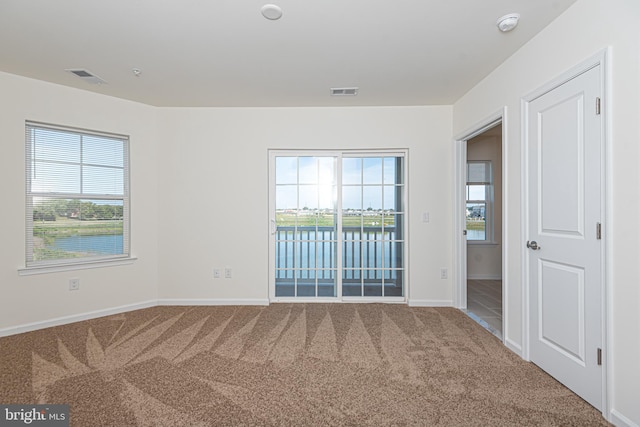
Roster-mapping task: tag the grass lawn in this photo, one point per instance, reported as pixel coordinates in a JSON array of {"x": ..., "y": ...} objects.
[
  {"x": 64, "y": 227},
  {"x": 289, "y": 220},
  {"x": 474, "y": 224}
]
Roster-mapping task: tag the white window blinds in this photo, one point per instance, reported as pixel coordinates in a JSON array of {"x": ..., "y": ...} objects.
[
  {"x": 478, "y": 172},
  {"x": 77, "y": 195}
]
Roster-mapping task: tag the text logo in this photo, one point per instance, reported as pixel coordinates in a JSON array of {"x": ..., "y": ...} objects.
[{"x": 34, "y": 415}]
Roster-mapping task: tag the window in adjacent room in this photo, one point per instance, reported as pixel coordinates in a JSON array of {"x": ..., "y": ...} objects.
[
  {"x": 77, "y": 196},
  {"x": 479, "y": 201}
]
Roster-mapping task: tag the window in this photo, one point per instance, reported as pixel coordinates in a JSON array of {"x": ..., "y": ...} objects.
[
  {"x": 77, "y": 196},
  {"x": 479, "y": 201}
]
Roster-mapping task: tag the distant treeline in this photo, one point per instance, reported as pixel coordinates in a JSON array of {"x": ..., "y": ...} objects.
[{"x": 75, "y": 209}]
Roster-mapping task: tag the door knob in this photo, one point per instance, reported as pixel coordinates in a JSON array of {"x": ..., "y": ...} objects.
[{"x": 533, "y": 245}]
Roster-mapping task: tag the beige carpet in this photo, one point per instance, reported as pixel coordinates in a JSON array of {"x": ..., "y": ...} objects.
[{"x": 284, "y": 365}]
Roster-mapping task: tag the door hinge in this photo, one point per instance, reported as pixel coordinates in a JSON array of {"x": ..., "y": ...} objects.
[
  {"x": 599, "y": 357},
  {"x": 598, "y": 231},
  {"x": 598, "y": 106}
]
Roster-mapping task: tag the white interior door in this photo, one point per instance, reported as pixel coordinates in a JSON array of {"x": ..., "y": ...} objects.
[{"x": 565, "y": 278}]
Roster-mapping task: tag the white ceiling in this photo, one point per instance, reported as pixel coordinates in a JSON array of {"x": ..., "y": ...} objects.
[{"x": 223, "y": 53}]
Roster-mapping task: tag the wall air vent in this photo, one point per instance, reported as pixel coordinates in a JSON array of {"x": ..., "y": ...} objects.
[
  {"x": 87, "y": 76},
  {"x": 344, "y": 91}
]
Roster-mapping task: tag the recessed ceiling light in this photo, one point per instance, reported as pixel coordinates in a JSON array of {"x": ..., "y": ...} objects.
[
  {"x": 271, "y": 12},
  {"x": 508, "y": 22}
]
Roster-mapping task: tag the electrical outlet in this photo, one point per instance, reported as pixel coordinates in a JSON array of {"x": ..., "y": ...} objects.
[
  {"x": 216, "y": 273},
  {"x": 227, "y": 272},
  {"x": 74, "y": 284},
  {"x": 444, "y": 273},
  {"x": 425, "y": 216}
]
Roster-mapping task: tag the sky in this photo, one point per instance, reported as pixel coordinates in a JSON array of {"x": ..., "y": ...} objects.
[{"x": 368, "y": 182}]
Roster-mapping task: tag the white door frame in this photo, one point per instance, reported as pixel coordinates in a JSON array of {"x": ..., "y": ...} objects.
[
  {"x": 459, "y": 209},
  {"x": 599, "y": 59}
]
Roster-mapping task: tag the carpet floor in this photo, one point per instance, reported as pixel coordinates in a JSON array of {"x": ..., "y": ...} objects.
[{"x": 284, "y": 365}]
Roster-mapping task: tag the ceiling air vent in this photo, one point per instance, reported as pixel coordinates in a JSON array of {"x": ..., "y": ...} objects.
[
  {"x": 344, "y": 91},
  {"x": 88, "y": 77}
]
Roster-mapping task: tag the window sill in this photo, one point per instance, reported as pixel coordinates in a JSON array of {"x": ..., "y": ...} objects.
[
  {"x": 482, "y": 243},
  {"x": 43, "y": 269}
]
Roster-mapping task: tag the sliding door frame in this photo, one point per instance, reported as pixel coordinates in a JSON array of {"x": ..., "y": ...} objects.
[{"x": 272, "y": 226}]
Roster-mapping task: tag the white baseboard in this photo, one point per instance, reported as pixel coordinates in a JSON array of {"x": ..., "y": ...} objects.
[
  {"x": 619, "y": 420},
  {"x": 484, "y": 277},
  {"x": 430, "y": 303},
  {"x": 29, "y": 327},
  {"x": 13, "y": 330},
  {"x": 513, "y": 346},
  {"x": 217, "y": 301}
]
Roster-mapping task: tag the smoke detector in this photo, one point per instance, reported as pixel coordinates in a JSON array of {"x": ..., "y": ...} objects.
[
  {"x": 87, "y": 76},
  {"x": 344, "y": 91}
]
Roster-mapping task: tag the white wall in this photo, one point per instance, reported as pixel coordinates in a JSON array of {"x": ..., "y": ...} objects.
[
  {"x": 43, "y": 297},
  {"x": 213, "y": 175},
  {"x": 582, "y": 31},
  {"x": 199, "y": 197},
  {"x": 484, "y": 260}
]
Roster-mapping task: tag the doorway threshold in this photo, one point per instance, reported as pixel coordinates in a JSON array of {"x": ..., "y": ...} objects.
[{"x": 484, "y": 324}]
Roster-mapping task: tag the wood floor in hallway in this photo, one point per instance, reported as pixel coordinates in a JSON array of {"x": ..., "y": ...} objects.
[{"x": 484, "y": 300}]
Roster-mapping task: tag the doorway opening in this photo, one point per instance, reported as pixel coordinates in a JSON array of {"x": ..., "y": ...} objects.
[
  {"x": 480, "y": 224},
  {"x": 483, "y": 223}
]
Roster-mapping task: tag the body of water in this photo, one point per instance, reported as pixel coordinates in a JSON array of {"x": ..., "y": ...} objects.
[
  {"x": 475, "y": 235},
  {"x": 95, "y": 245}
]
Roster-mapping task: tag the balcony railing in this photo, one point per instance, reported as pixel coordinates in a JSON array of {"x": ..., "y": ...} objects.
[{"x": 368, "y": 253}]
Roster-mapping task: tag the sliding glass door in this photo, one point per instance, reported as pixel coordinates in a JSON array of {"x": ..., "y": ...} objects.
[
  {"x": 337, "y": 225},
  {"x": 372, "y": 226},
  {"x": 305, "y": 225}
]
